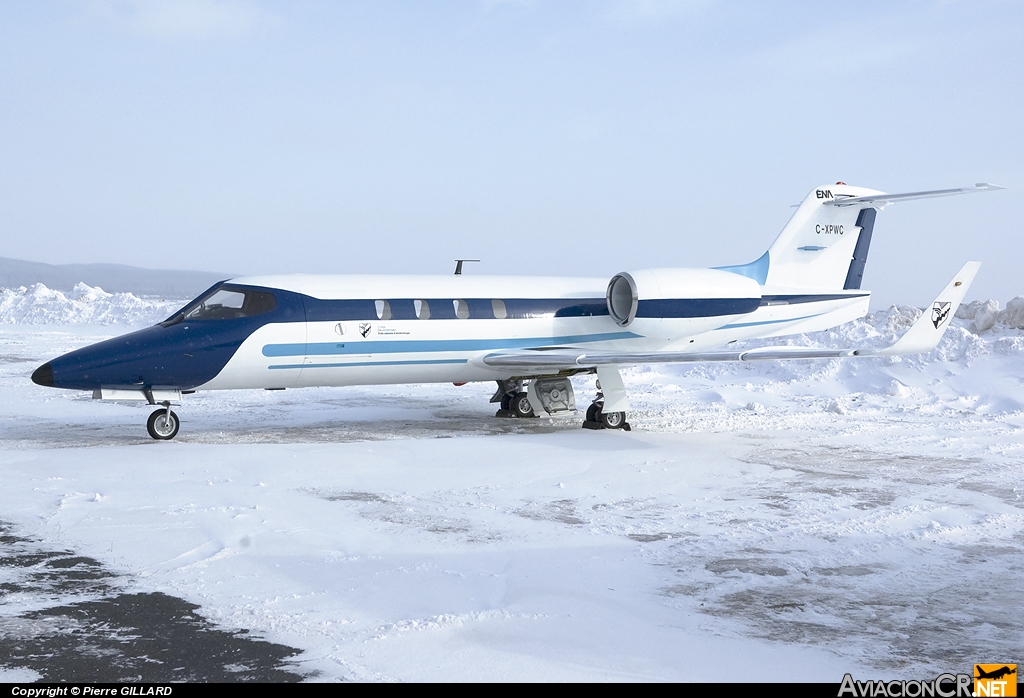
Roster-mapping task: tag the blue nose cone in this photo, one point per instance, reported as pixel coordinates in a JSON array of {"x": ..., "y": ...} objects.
[
  {"x": 180, "y": 356},
  {"x": 43, "y": 376},
  {"x": 184, "y": 352}
]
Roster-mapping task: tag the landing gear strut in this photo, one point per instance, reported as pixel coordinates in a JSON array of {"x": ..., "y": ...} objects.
[{"x": 163, "y": 424}]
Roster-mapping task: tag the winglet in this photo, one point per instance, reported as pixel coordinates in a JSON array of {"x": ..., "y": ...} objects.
[{"x": 924, "y": 335}]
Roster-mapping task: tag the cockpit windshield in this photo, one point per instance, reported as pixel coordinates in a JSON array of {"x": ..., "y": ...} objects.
[{"x": 225, "y": 303}]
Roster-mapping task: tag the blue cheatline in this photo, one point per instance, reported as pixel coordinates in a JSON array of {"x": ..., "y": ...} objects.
[
  {"x": 375, "y": 363},
  {"x": 403, "y": 346},
  {"x": 767, "y": 322}
]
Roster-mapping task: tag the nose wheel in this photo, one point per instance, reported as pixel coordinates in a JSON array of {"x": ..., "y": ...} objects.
[{"x": 163, "y": 424}]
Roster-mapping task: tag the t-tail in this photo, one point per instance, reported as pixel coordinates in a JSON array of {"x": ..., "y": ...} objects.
[{"x": 824, "y": 246}]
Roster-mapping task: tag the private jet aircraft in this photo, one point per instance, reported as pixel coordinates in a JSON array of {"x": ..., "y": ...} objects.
[{"x": 529, "y": 334}]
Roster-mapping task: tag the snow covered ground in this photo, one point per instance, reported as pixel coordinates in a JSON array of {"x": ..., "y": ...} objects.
[{"x": 807, "y": 519}]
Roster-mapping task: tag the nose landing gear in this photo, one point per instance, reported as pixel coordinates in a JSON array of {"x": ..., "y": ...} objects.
[{"x": 163, "y": 424}]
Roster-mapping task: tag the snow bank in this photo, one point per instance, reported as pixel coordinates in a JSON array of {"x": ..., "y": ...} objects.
[
  {"x": 984, "y": 315},
  {"x": 976, "y": 330},
  {"x": 39, "y": 305}
]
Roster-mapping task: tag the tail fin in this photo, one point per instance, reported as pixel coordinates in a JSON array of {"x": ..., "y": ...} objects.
[{"x": 825, "y": 244}]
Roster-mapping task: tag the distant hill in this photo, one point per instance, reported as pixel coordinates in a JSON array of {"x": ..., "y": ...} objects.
[{"x": 165, "y": 283}]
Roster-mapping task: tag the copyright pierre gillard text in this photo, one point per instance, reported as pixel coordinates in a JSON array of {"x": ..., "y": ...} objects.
[{"x": 58, "y": 691}]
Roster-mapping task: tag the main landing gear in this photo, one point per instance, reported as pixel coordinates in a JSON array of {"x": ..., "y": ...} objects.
[
  {"x": 597, "y": 418},
  {"x": 513, "y": 400},
  {"x": 163, "y": 424},
  {"x": 555, "y": 396}
]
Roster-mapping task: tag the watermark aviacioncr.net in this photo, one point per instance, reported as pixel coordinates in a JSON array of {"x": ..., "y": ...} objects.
[{"x": 988, "y": 681}]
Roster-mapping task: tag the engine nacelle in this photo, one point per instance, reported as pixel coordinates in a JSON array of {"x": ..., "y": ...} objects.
[{"x": 673, "y": 303}]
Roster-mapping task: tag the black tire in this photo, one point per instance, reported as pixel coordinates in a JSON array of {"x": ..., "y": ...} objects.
[
  {"x": 506, "y": 401},
  {"x": 594, "y": 412},
  {"x": 161, "y": 428},
  {"x": 613, "y": 420},
  {"x": 521, "y": 406}
]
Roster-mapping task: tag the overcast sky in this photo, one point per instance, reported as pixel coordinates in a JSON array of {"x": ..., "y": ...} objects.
[{"x": 569, "y": 138}]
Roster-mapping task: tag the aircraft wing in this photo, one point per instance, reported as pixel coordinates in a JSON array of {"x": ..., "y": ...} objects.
[
  {"x": 883, "y": 199},
  {"x": 923, "y": 336}
]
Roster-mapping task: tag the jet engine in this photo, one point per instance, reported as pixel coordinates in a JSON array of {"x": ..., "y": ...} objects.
[{"x": 672, "y": 303}]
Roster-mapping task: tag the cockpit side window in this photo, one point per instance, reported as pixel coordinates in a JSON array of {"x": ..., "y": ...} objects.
[
  {"x": 221, "y": 305},
  {"x": 225, "y": 303}
]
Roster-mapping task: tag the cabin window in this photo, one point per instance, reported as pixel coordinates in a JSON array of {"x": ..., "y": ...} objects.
[
  {"x": 461, "y": 309},
  {"x": 228, "y": 304},
  {"x": 498, "y": 306},
  {"x": 422, "y": 309},
  {"x": 383, "y": 310}
]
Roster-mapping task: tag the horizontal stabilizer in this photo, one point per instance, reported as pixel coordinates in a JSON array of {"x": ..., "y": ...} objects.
[
  {"x": 884, "y": 199},
  {"x": 923, "y": 336}
]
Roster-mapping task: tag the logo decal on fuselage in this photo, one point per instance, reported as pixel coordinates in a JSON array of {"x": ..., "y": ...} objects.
[
  {"x": 940, "y": 312},
  {"x": 364, "y": 329}
]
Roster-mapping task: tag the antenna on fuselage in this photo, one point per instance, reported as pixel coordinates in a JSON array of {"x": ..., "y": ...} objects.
[{"x": 458, "y": 265}]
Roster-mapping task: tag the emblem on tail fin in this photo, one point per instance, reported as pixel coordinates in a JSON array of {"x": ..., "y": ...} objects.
[{"x": 940, "y": 312}]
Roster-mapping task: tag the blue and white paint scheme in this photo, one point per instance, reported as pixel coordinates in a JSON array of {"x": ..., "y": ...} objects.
[{"x": 526, "y": 333}]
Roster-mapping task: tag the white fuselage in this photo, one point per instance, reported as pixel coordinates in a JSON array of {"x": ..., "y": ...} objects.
[{"x": 447, "y": 346}]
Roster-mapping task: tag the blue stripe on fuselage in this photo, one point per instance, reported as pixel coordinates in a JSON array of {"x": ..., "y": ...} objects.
[
  {"x": 695, "y": 307},
  {"x": 766, "y": 322},
  {"x": 403, "y": 346},
  {"x": 321, "y": 310},
  {"x": 796, "y": 298},
  {"x": 428, "y": 362}
]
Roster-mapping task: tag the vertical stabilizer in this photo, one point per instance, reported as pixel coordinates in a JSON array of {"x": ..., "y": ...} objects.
[{"x": 823, "y": 246}]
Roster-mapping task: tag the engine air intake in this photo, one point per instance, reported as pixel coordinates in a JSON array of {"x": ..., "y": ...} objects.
[{"x": 623, "y": 299}]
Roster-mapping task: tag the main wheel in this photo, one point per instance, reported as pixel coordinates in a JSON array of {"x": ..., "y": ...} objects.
[
  {"x": 521, "y": 406},
  {"x": 594, "y": 412},
  {"x": 506, "y": 401},
  {"x": 613, "y": 420},
  {"x": 161, "y": 427}
]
